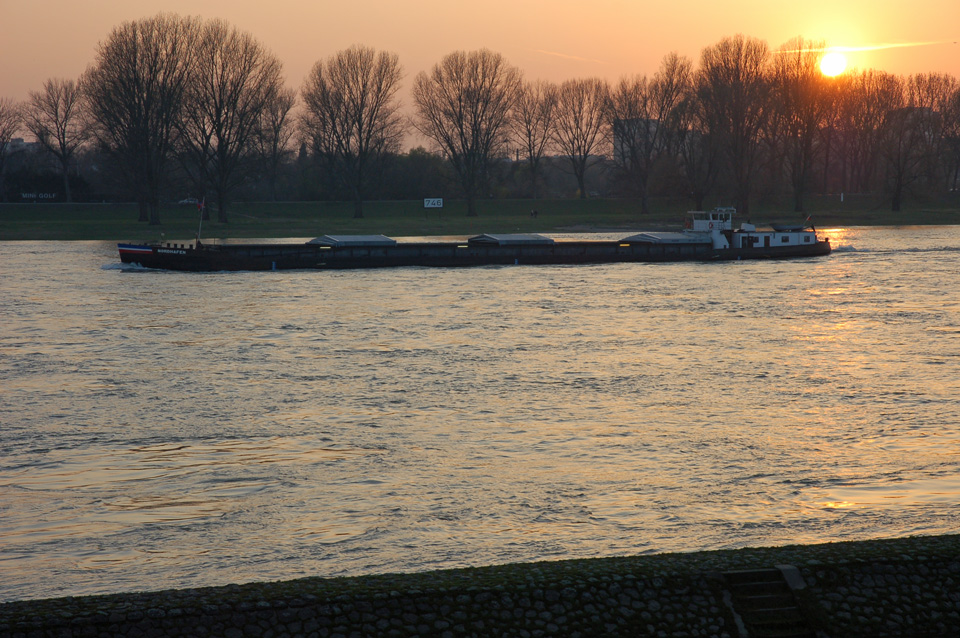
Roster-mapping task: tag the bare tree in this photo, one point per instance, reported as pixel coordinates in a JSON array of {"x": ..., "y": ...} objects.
[
  {"x": 274, "y": 133},
  {"x": 733, "y": 87},
  {"x": 533, "y": 122},
  {"x": 865, "y": 103},
  {"x": 351, "y": 114},
  {"x": 801, "y": 106},
  {"x": 632, "y": 130},
  {"x": 698, "y": 149},
  {"x": 914, "y": 133},
  {"x": 952, "y": 136},
  {"x": 55, "y": 117},
  {"x": 463, "y": 105},
  {"x": 136, "y": 90},
  {"x": 834, "y": 165},
  {"x": 899, "y": 143},
  {"x": 581, "y": 118},
  {"x": 644, "y": 115},
  {"x": 9, "y": 125},
  {"x": 699, "y": 155},
  {"x": 236, "y": 77},
  {"x": 932, "y": 93}
]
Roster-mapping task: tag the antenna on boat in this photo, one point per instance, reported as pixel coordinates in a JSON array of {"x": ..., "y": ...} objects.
[{"x": 200, "y": 206}]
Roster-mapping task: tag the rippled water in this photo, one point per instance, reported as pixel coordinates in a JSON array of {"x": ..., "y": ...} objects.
[{"x": 174, "y": 429}]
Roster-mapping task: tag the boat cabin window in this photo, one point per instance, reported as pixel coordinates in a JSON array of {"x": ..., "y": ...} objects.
[
  {"x": 806, "y": 238},
  {"x": 785, "y": 239}
]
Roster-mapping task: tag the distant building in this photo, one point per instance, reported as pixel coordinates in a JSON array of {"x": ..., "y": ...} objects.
[{"x": 17, "y": 145}]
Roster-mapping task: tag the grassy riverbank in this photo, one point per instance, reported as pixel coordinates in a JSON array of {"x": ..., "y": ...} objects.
[{"x": 118, "y": 222}]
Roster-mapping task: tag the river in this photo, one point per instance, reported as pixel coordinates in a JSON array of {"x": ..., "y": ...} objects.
[{"x": 164, "y": 429}]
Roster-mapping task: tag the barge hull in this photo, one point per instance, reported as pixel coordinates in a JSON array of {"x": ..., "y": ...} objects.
[{"x": 235, "y": 257}]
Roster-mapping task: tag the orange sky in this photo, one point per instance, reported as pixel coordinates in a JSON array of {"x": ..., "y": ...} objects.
[{"x": 549, "y": 39}]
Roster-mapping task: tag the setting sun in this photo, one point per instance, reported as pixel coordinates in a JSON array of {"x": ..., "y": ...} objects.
[{"x": 833, "y": 63}]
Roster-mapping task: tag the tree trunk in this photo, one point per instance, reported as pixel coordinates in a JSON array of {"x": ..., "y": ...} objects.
[
  {"x": 357, "y": 208},
  {"x": 642, "y": 185},
  {"x": 897, "y": 194},
  {"x": 826, "y": 162},
  {"x": 471, "y": 206},
  {"x": 66, "y": 184},
  {"x": 222, "y": 207},
  {"x": 743, "y": 197},
  {"x": 144, "y": 211},
  {"x": 155, "y": 213}
]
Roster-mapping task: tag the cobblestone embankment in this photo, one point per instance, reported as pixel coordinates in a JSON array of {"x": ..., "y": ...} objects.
[{"x": 902, "y": 587}]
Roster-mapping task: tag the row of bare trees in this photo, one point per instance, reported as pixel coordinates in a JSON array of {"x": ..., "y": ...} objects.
[
  {"x": 172, "y": 94},
  {"x": 168, "y": 88},
  {"x": 167, "y": 92},
  {"x": 745, "y": 114}
]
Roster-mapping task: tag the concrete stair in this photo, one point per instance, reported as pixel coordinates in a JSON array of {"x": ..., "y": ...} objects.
[{"x": 764, "y": 605}]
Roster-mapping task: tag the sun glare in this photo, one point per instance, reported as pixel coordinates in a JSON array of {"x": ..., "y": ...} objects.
[{"x": 833, "y": 63}]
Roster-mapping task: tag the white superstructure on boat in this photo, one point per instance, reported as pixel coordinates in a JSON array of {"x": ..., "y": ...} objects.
[{"x": 715, "y": 227}]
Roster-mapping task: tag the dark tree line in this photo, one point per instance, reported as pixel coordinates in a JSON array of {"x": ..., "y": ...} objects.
[{"x": 175, "y": 106}]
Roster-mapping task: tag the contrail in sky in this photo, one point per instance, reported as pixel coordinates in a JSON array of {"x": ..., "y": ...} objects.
[
  {"x": 894, "y": 45},
  {"x": 874, "y": 47},
  {"x": 567, "y": 57}
]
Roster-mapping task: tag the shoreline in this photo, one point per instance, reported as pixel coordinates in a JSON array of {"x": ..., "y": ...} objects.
[
  {"x": 903, "y": 586},
  {"x": 118, "y": 222}
]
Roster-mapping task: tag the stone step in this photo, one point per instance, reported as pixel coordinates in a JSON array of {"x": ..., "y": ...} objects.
[
  {"x": 764, "y": 604},
  {"x": 760, "y": 589},
  {"x": 753, "y": 575},
  {"x": 786, "y": 632},
  {"x": 780, "y": 630},
  {"x": 775, "y": 615}
]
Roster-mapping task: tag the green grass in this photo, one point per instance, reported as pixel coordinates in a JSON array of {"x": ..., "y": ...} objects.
[{"x": 118, "y": 222}]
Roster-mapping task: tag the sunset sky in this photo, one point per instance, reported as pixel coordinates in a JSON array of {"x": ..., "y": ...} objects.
[{"x": 548, "y": 39}]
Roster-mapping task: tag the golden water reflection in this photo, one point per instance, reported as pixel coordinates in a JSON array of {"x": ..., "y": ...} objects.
[{"x": 932, "y": 491}]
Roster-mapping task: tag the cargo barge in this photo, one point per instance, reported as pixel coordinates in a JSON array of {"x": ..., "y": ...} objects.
[{"x": 708, "y": 236}]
